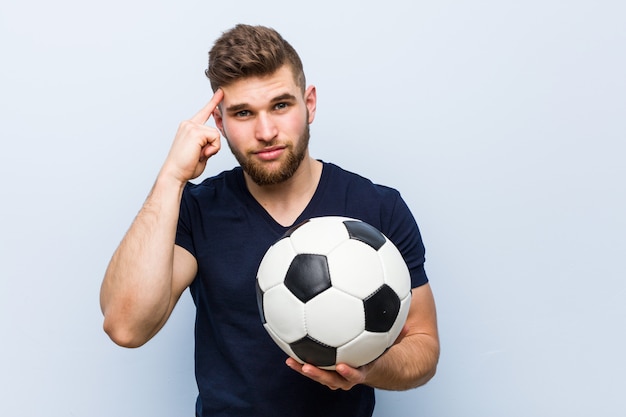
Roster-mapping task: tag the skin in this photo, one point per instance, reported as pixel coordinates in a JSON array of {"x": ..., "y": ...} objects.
[{"x": 265, "y": 120}]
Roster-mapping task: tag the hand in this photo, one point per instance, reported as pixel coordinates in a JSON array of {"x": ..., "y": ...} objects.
[
  {"x": 194, "y": 144},
  {"x": 343, "y": 377}
]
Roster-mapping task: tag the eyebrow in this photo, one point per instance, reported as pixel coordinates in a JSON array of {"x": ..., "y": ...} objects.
[
  {"x": 243, "y": 106},
  {"x": 284, "y": 97}
]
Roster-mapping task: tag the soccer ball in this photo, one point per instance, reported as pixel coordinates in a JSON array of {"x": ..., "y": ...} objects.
[{"x": 333, "y": 290}]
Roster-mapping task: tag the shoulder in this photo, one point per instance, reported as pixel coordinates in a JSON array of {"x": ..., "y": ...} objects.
[
  {"x": 215, "y": 195},
  {"x": 354, "y": 183},
  {"x": 382, "y": 207},
  {"x": 226, "y": 181},
  {"x": 357, "y": 196}
]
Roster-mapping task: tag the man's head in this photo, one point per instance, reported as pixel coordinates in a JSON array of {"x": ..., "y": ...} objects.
[
  {"x": 266, "y": 108},
  {"x": 249, "y": 51}
]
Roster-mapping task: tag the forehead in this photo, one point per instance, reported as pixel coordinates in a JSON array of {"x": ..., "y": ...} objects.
[{"x": 260, "y": 90}]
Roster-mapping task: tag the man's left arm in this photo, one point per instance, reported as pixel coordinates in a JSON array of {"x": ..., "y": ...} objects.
[{"x": 409, "y": 363}]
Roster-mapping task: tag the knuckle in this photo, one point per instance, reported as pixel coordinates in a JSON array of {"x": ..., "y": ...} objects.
[{"x": 185, "y": 124}]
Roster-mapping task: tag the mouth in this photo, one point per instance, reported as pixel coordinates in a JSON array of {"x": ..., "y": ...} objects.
[{"x": 270, "y": 153}]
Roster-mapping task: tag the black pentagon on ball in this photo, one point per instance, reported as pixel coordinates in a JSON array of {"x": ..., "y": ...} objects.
[
  {"x": 381, "y": 309},
  {"x": 365, "y": 232},
  {"x": 308, "y": 276},
  {"x": 259, "y": 302},
  {"x": 313, "y": 352}
]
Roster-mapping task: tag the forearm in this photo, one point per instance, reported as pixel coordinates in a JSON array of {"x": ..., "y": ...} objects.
[
  {"x": 412, "y": 360},
  {"x": 137, "y": 288},
  {"x": 406, "y": 365}
]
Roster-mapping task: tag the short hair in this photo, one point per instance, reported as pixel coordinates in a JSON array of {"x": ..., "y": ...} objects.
[{"x": 251, "y": 51}]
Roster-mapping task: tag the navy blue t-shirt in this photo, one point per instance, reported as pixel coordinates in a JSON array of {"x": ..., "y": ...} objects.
[{"x": 239, "y": 369}]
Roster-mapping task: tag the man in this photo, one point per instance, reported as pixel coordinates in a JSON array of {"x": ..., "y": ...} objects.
[{"x": 211, "y": 237}]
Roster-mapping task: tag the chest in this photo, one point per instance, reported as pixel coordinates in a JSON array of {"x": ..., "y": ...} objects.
[{"x": 229, "y": 250}]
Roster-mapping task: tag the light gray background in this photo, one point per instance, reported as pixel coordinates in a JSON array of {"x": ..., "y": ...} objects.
[{"x": 502, "y": 123}]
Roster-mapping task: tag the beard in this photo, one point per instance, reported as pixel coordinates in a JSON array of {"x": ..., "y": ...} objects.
[{"x": 261, "y": 175}]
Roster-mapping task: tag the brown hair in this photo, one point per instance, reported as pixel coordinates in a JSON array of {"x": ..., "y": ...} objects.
[{"x": 249, "y": 51}]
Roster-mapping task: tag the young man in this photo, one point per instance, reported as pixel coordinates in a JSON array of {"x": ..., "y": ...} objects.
[{"x": 211, "y": 237}]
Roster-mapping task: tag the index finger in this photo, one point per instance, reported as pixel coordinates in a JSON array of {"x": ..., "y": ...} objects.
[{"x": 205, "y": 113}]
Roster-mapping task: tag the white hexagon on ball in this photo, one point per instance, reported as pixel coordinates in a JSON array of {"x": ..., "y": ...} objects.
[
  {"x": 334, "y": 317},
  {"x": 396, "y": 272},
  {"x": 320, "y": 239},
  {"x": 274, "y": 266},
  {"x": 355, "y": 268},
  {"x": 363, "y": 349},
  {"x": 284, "y": 313}
]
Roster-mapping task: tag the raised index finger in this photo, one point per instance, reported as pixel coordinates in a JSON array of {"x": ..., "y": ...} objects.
[{"x": 205, "y": 113}]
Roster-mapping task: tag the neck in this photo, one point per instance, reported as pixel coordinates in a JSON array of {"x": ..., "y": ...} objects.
[{"x": 286, "y": 201}]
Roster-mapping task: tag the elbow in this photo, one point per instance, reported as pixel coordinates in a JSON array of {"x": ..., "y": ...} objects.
[
  {"x": 423, "y": 370},
  {"x": 412, "y": 379},
  {"x": 427, "y": 373},
  {"x": 122, "y": 335},
  {"x": 415, "y": 380},
  {"x": 427, "y": 376}
]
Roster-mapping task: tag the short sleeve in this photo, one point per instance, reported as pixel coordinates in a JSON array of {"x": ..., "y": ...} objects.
[
  {"x": 405, "y": 234},
  {"x": 184, "y": 238}
]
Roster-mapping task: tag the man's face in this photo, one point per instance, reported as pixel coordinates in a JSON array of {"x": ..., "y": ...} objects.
[{"x": 265, "y": 121}]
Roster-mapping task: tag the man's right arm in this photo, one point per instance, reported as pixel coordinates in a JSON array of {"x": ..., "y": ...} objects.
[
  {"x": 148, "y": 272},
  {"x": 140, "y": 288}
]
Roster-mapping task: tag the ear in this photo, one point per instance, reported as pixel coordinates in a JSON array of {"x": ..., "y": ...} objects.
[
  {"x": 219, "y": 121},
  {"x": 310, "y": 99}
]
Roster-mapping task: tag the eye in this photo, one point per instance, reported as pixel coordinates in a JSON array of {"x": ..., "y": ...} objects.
[
  {"x": 243, "y": 113},
  {"x": 281, "y": 106}
]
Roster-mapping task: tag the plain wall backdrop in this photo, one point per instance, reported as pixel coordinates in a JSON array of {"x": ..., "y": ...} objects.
[{"x": 502, "y": 123}]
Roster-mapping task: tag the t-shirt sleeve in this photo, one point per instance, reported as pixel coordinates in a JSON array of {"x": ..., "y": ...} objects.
[
  {"x": 405, "y": 234},
  {"x": 183, "y": 230}
]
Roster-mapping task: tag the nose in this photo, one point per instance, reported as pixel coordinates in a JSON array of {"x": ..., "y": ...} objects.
[{"x": 265, "y": 129}]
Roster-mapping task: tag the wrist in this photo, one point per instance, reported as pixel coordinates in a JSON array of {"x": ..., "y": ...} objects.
[{"x": 170, "y": 179}]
